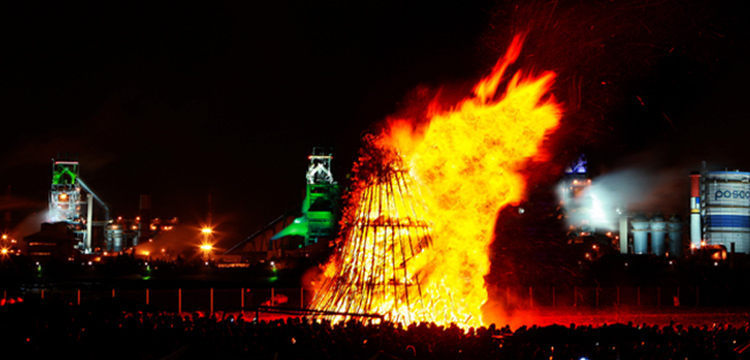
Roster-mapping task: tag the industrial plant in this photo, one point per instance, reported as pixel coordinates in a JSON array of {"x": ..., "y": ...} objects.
[
  {"x": 718, "y": 223},
  {"x": 78, "y": 221},
  {"x": 310, "y": 231}
]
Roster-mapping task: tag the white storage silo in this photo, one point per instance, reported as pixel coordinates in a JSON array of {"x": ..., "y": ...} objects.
[
  {"x": 658, "y": 233},
  {"x": 674, "y": 228},
  {"x": 640, "y": 234}
]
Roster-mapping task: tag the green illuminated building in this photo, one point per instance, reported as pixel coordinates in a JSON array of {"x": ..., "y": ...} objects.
[{"x": 320, "y": 209}]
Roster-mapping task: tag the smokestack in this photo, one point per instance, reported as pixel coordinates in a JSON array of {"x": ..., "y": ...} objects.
[
  {"x": 6, "y": 218},
  {"x": 144, "y": 212},
  {"x": 623, "y": 234},
  {"x": 695, "y": 211},
  {"x": 89, "y": 222}
]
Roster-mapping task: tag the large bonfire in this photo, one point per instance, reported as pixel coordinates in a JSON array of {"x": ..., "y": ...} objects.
[{"x": 419, "y": 224}]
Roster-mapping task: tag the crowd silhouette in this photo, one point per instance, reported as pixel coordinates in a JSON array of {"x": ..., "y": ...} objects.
[{"x": 115, "y": 330}]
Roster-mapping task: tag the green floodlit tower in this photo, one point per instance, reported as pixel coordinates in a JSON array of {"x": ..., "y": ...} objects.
[
  {"x": 320, "y": 208},
  {"x": 65, "y": 200},
  {"x": 72, "y": 201}
]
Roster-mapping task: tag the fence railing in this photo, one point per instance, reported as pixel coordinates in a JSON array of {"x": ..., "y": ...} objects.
[
  {"x": 179, "y": 300},
  {"x": 209, "y": 300},
  {"x": 614, "y": 296}
]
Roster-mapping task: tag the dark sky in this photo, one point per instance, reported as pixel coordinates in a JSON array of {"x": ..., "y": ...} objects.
[{"x": 177, "y": 100}]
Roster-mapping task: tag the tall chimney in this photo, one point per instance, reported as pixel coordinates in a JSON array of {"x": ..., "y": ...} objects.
[
  {"x": 144, "y": 211},
  {"x": 695, "y": 211}
]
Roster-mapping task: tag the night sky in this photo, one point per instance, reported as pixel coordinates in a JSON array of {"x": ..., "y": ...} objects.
[{"x": 180, "y": 100}]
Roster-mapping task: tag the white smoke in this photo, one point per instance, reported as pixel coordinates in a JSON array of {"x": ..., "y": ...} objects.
[
  {"x": 30, "y": 225},
  {"x": 633, "y": 189}
]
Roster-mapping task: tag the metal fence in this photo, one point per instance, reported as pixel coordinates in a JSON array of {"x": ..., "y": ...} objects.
[
  {"x": 206, "y": 300},
  {"x": 209, "y": 300},
  {"x": 614, "y": 296}
]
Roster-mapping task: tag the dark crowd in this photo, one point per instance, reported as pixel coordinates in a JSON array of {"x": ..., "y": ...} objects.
[{"x": 111, "y": 330}]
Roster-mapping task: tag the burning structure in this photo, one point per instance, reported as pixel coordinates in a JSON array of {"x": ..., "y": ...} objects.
[
  {"x": 387, "y": 230},
  {"x": 417, "y": 230}
]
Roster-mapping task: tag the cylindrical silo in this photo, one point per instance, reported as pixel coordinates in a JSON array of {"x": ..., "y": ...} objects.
[
  {"x": 675, "y": 236},
  {"x": 114, "y": 237},
  {"x": 640, "y": 234},
  {"x": 727, "y": 216},
  {"x": 658, "y": 233}
]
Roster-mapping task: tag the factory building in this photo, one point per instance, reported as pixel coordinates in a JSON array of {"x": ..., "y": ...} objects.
[
  {"x": 304, "y": 233},
  {"x": 71, "y": 201},
  {"x": 590, "y": 212},
  {"x": 576, "y": 199},
  {"x": 719, "y": 219},
  {"x": 53, "y": 241},
  {"x": 720, "y": 210},
  {"x": 320, "y": 207},
  {"x": 70, "y": 226},
  {"x": 123, "y": 234}
]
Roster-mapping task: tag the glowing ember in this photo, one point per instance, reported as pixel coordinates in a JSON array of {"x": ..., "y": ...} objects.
[{"x": 416, "y": 243}]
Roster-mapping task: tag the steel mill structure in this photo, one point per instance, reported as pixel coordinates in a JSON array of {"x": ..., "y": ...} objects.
[
  {"x": 72, "y": 227},
  {"x": 576, "y": 199},
  {"x": 320, "y": 208},
  {"x": 384, "y": 233},
  {"x": 304, "y": 233},
  {"x": 67, "y": 201},
  {"x": 723, "y": 213},
  {"x": 719, "y": 220}
]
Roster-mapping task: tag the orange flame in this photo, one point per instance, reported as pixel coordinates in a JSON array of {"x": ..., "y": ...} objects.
[{"x": 465, "y": 166}]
